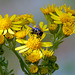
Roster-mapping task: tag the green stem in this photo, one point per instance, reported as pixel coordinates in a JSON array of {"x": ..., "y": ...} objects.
[
  {"x": 1, "y": 71},
  {"x": 49, "y": 73},
  {"x": 22, "y": 63}
]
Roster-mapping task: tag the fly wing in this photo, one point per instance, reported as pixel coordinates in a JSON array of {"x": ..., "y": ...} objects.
[
  {"x": 37, "y": 26},
  {"x": 31, "y": 26}
]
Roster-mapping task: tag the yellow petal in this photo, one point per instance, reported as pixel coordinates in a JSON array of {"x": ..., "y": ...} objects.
[
  {"x": 6, "y": 16},
  {"x": 46, "y": 44},
  {"x": 10, "y": 31},
  {"x": 1, "y": 17},
  {"x": 16, "y": 25},
  {"x": 23, "y": 50},
  {"x": 70, "y": 14},
  {"x": 21, "y": 41},
  {"x": 44, "y": 27},
  {"x": 18, "y": 22},
  {"x": 21, "y": 47},
  {"x": 14, "y": 28},
  {"x": 30, "y": 19},
  {"x": 43, "y": 36},
  {"x": 55, "y": 17},
  {"x": 12, "y": 17},
  {"x": 41, "y": 24},
  {"x": 5, "y": 31},
  {"x": 1, "y": 31},
  {"x": 57, "y": 22},
  {"x": 59, "y": 13}
]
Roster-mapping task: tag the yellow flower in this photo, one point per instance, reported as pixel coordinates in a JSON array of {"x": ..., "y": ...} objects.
[
  {"x": 62, "y": 17},
  {"x": 33, "y": 69},
  {"x": 33, "y": 43},
  {"x": 1, "y": 39},
  {"x": 68, "y": 9},
  {"x": 6, "y": 24},
  {"x": 49, "y": 9},
  {"x": 67, "y": 29},
  {"x": 9, "y": 36},
  {"x": 22, "y": 33},
  {"x": 47, "y": 53},
  {"x": 44, "y": 70},
  {"x": 24, "y": 19},
  {"x": 35, "y": 56},
  {"x": 52, "y": 27}
]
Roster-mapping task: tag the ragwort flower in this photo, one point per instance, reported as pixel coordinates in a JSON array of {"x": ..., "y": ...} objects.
[
  {"x": 6, "y": 24},
  {"x": 49, "y": 9},
  {"x": 47, "y": 53},
  {"x": 22, "y": 33},
  {"x": 33, "y": 43},
  {"x": 52, "y": 27},
  {"x": 62, "y": 17},
  {"x": 24, "y": 19},
  {"x": 35, "y": 56},
  {"x": 68, "y": 29}
]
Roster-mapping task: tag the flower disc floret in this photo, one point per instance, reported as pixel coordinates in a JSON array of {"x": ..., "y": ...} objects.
[
  {"x": 33, "y": 43},
  {"x": 52, "y": 27},
  {"x": 35, "y": 56},
  {"x": 67, "y": 29},
  {"x": 5, "y": 23},
  {"x": 66, "y": 18}
]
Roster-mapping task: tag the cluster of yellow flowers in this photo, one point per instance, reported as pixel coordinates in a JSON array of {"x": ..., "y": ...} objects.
[
  {"x": 55, "y": 15},
  {"x": 60, "y": 25}
]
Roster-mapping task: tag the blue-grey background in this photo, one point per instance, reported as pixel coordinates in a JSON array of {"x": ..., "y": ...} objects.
[{"x": 66, "y": 51}]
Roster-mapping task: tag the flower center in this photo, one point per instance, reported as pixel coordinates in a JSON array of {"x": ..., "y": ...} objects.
[
  {"x": 5, "y": 23},
  {"x": 66, "y": 18},
  {"x": 34, "y": 43}
]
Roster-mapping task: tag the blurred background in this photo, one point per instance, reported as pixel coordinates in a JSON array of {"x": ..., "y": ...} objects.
[{"x": 66, "y": 52}]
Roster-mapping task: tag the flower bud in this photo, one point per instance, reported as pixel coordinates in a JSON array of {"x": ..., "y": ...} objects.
[
  {"x": 53, "y": 58},
  {"x": 55, "y": 66}
]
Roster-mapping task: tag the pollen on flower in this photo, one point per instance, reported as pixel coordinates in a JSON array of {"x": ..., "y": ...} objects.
[
  {"x": 35, "y": 56},
  {"x": 52, "y": 27},
  {"x": 20, "y": 34},
  {"x": 5, "y": 23},
  {"x": 66, "y": 18},
  {"x": 67, "y": 30},
  {"x": 33, "y": 43},
  {"x": 1, "y": 39},
  {"x": 33, "y": 68}
]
